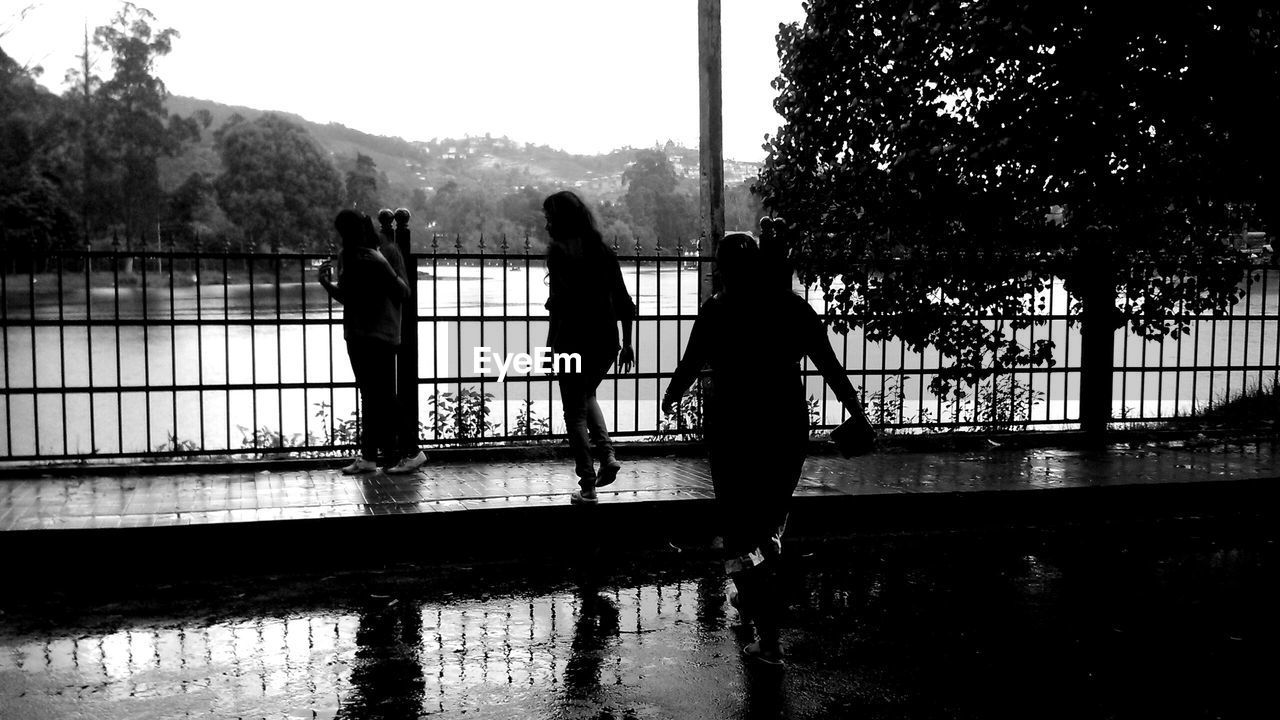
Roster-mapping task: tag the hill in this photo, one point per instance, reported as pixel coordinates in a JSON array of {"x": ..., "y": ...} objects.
[{"x": 407, "y": 165}]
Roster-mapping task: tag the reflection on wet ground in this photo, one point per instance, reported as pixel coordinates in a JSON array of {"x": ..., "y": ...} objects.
[{"x": 1080, "y": 621}]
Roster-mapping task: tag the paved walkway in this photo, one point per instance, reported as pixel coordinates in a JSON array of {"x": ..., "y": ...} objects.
[{"x": 117, "y": 502}]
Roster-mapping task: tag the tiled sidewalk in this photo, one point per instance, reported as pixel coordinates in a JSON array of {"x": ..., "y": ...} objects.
[{"x": 81, "y": 503}]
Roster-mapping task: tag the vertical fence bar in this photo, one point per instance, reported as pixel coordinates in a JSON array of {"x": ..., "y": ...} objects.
[
  {"x": 617, "y": 383},
  {"x": 4, "y": 342},
  {"x": 407, "y": 356},
  {"x": 333, "y": 405},
  {"x": 481, "y": 421},
  {"x": 88, "y": 338},
  {"x": 250, "y": 263},
  {"x": 115, "y": 287},
  {"x": 173, "y": 336},
  {"x": 35, "y": 362},
  {"x": 1275, "y": 375},
  {"x": 226, "y": 332},
  {"x": 457, "y": 309},
  {"x": 528, "y": 340},
  {"x": 277, "y": 261},
  {"x": 146, "y": 342},
  {"x": 435, "y": 335},
  {"x": 199, "y": 281},
  {"x": 657, "y": 364},
  {"x": 304, "y": 258},
  {"x": 1213, "y": 356},
  {"x": 62, "y": 350}
]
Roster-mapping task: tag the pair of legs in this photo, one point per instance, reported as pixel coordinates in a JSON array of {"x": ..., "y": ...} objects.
[
  {"x": 374, "y": 364},
  {"x": 754, "y": 473},
  {"x": 584, "y": 420}
]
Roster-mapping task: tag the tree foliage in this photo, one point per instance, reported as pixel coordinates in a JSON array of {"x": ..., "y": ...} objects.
[
  {"x": 277, "y": 185},
  {"x": 33, "y": 194},
  {"x": 133, "y": 130},
  {"x": 660, "y": 214},
  {"x": 362, "y": 185},
  {"x": 943, "y": 133}
]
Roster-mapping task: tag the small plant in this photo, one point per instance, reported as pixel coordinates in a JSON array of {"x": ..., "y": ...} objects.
[
  {"x": 180, "y": 449},
  {"x": 886, "y": 405},
  {"x": 463, "y": 415},
  {"x": 685, "y": 424},
  {"x": 343, "y": 432},
  {"x": 528, "y": 423},
  {"x": 265, "y": 438},
  {"x": 1002, "y": 404}
]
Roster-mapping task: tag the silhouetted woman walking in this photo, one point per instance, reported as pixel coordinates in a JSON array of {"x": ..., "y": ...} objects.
[
  {"x": 587, "y": 301},
  {"x": 754, "y": 334}
]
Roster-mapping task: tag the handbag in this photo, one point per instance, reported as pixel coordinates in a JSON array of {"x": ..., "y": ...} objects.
[{"x": 855, "y": 436}]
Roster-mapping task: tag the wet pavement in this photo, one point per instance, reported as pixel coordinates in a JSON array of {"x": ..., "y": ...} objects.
[
  {"x": 1132, "y": 582},
  {"x": 48, "y": 500},
  {"x": 1167, "y": 618}
]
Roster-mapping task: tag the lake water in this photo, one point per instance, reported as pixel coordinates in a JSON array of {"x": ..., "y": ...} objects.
[{"x": 243, "y": 347}]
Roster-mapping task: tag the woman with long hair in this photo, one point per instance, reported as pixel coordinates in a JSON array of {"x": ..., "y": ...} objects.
[
  {"x": 370, "y": 291},
  {"x": 587, "y": 302},
  {"x": 753, "y": 334}
]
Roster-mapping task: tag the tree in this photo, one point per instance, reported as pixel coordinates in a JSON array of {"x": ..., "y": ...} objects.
[
  {"x": 659, "y": 212},
  {"x": 193, "y": 206},
  {"x": 33, "y": 198},
  {"x": 362, "y": 185},
  {"x": 470, "y": 213},
  {"x": 523, "y": 208},
  {"x": 942, "y": 134},
  {"x": 132, "y": 128},
  {"x": 277, "y": 185}
]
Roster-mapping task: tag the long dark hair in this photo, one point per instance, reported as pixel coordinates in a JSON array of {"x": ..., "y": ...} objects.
[
  {"x": 570, "y": 217},
  {"x": 356, "y": 230}
]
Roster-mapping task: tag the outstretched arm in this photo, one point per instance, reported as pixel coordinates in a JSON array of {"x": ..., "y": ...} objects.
[
  {"x": 819, "y": 350},
  {"x": 625, "y": 309},
  {"x": 691, "y": 363}
]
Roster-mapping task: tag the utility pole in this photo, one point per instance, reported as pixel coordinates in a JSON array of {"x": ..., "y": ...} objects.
[{"x": 711, "y": 135}]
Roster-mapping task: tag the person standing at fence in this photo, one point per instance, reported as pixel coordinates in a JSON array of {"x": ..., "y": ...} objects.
[
  {"x": 370, "y": 291},
  {"x": 411, "y": 457},
  {"x": 753, "y": 334},
  {"x": 587, "y": 302}
]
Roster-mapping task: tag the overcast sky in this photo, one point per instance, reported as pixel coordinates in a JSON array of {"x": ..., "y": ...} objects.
[{"x": 583, "y": 75}]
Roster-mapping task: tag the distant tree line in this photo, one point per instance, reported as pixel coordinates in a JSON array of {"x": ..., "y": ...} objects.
[{"x": 82, "y": 168}]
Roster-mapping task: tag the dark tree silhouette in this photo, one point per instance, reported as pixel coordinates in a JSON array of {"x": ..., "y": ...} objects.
[{"x": 993, "y": 145}]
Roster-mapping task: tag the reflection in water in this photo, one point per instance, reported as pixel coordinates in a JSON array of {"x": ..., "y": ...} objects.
[
  {"x": 943, "y": 623},
  {"x": 387, "y": 671},
  {"x": 595, "y": 633}
]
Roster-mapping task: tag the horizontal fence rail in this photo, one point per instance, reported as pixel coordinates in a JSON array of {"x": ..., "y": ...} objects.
[{"x": 151, "y": 353}]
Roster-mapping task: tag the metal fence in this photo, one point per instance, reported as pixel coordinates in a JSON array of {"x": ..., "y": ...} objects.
[{"x": 163, "y": 353}]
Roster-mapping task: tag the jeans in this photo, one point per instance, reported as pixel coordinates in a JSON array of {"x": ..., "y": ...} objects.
[
  {"x": 583, "y": 419},
  {"x": 374, "y": 364}
]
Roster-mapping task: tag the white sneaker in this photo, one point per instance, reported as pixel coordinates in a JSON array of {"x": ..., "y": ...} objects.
[
  {"x": 408, "y": 465},
  {"x": 358, "y": 466}
]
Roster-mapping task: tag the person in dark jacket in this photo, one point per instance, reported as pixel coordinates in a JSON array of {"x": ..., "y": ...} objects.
[
  {"x": 753, "y": 334},
  {"x": 587, "y": 302},
  {"x": 411, "y": 456},
  {"x": 370, "y": 291}
]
